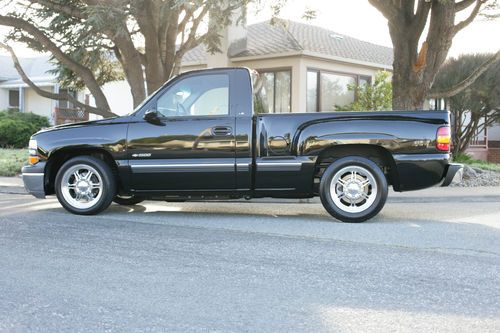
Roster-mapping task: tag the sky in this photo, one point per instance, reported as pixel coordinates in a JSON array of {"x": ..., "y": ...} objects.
[{"x": 357, "y": 18}]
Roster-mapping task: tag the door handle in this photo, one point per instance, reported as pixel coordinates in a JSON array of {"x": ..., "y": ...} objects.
[{"x": 222, "y": 130}]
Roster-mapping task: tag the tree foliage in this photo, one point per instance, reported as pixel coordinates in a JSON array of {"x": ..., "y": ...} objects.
[
  {"x": 376, "y": 96},
  {"x": 476, "y": 107},
  {"x": 97, "y": 41},
  {"x": 418, "y": 57}
]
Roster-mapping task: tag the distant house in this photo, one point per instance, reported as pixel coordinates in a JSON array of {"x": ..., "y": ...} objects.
[{"x": 15, "y": 94}]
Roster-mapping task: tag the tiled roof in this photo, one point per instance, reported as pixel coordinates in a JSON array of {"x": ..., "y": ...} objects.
[
  {"x": 197, "y": 54},
  {"x": 289, "y": 36}
]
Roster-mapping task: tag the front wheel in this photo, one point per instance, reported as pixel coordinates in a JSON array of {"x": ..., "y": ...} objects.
[
  {"x": 353, "y": 189},
  {"x": 85, "y": 185}
]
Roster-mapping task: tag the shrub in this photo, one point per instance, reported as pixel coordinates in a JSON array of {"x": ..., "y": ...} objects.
[
  {"x": 17, "y": 127},
  {"x": 463, "y": 158}
]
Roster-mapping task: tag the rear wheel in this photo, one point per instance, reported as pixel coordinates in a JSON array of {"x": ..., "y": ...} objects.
[
  {"x": 128, "y": 200},
  {"x": 85, "y": 185},
  {"x": 353, "y": 189}
]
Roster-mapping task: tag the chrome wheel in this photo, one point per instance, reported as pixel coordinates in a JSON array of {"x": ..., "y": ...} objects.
[
  {"x": 81, "y": 186},
  {"x": 353, "y": 189}
]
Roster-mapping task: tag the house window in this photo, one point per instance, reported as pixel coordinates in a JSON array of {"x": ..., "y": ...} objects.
[
  {"x": 14, "y": 99},
  {"x": 273, "y": 92},
  {"x": 64, "y": 104},
  {"x": 326, "y": 90}
]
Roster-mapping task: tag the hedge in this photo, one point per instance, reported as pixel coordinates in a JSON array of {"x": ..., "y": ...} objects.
[{"x": 17, "y": 127}]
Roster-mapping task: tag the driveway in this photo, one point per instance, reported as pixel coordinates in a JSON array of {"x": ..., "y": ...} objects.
[{"x": 430, "y": 262}]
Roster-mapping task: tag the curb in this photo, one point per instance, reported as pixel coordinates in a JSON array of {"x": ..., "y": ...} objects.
[{"x": 12, "y": 190}]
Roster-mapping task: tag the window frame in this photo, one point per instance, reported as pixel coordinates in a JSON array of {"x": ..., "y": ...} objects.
[
  {"x": 154, "y": 102},
  {"x": 17, "y": 99},
  {"x": 318, "y": 72},
  {"x": 274, "y": 71},
  {"x": 69, "y": 104}
]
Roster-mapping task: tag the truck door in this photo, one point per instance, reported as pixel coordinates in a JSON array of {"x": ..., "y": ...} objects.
[{"x": 192, "y": 145}]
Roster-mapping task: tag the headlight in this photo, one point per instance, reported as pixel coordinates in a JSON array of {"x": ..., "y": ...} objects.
[{"x": 33, "y": 153}]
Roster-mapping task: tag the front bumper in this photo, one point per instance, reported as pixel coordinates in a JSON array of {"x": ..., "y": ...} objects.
[
  {"x": 34, "y": 179},
  {"x": 454, "y": 169}
]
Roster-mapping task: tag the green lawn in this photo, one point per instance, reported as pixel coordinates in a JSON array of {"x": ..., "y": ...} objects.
[
  {"x": 466, "y": 159},
  {"x": 12, "y": 160}
]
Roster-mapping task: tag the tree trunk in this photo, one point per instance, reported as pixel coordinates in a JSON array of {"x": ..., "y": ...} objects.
[
  {"x": 414, "y": 71},
  {"x": 408, "y": 90}
]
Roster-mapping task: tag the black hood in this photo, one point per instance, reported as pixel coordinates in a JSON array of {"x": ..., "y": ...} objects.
[{"x": 80, "y": 124}]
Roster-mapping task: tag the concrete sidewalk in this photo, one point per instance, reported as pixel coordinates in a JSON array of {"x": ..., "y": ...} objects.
[
  {"x": 16, "y": 181},
  {"x": 14, "y": 185}
]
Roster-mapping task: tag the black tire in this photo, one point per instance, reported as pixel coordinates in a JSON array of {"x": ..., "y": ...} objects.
[
  {"x": 338, "y": 207},
  {"x": 108, "y": 186},
  {"x": 128, "y": 200}
]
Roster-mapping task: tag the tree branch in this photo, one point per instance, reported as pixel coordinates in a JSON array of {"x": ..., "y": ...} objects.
[
  {"x": 63, "y": 9},
  {"x": 46, "y": 94},
  {"x": 86, "y": 75},
  {"x": 468, "y": 80},
  {"x": 387, "y": 8},
  {"x": 460, "y": 25},
  {"x": 420, "y": 17},
  {"x": 461, "y": 5}
]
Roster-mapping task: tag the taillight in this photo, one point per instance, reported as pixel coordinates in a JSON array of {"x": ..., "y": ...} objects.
[{"x": 443, "y": 138}]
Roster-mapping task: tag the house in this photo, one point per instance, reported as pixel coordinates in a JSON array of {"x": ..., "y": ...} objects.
[
  {"x": 305, "y": 68},
  {"x": 15, "y": 94}
]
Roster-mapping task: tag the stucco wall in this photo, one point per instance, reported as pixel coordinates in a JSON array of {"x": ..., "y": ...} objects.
[
  {"x": 4, "y": 99},
  {"x": 37, "y": 104},
  {"x": 119, "y": 97}
]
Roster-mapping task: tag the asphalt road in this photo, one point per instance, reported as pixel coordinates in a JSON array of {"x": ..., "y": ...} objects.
[{"x": 425, "y": 264}]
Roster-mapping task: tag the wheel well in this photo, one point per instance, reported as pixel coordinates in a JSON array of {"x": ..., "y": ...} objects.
[
  {"x": 56, "y": 160},
  {"x": 381, "y": 156}
]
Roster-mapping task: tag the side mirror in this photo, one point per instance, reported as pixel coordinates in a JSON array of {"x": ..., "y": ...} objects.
[{"x": 151, "y": 116}]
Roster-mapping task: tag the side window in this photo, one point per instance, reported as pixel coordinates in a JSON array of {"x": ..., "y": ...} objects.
[{"x": 200, "y": 95}]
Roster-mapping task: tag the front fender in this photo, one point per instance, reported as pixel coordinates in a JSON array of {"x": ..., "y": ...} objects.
[{"x": 109, "y": 137}]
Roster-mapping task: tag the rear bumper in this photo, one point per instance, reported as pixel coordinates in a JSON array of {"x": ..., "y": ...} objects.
[
  {"x": 34, "y": 179},
  {"x": 419, "y": 171},
  {"x": 454, "y": 169}
]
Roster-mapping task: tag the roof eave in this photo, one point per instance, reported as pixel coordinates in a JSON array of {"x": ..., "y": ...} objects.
[
  {"x": 193, "y": 63},
  {"x": 39, "y": 81},
  {"x": 313, "y": 55},
  {"x": 347, "y": 60}
]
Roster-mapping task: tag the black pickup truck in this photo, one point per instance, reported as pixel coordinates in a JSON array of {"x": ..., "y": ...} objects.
[{"x": 199, "y": 138}]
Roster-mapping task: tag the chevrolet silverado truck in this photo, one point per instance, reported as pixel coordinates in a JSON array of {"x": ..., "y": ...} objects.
[{"x": 199, "y": 138}]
